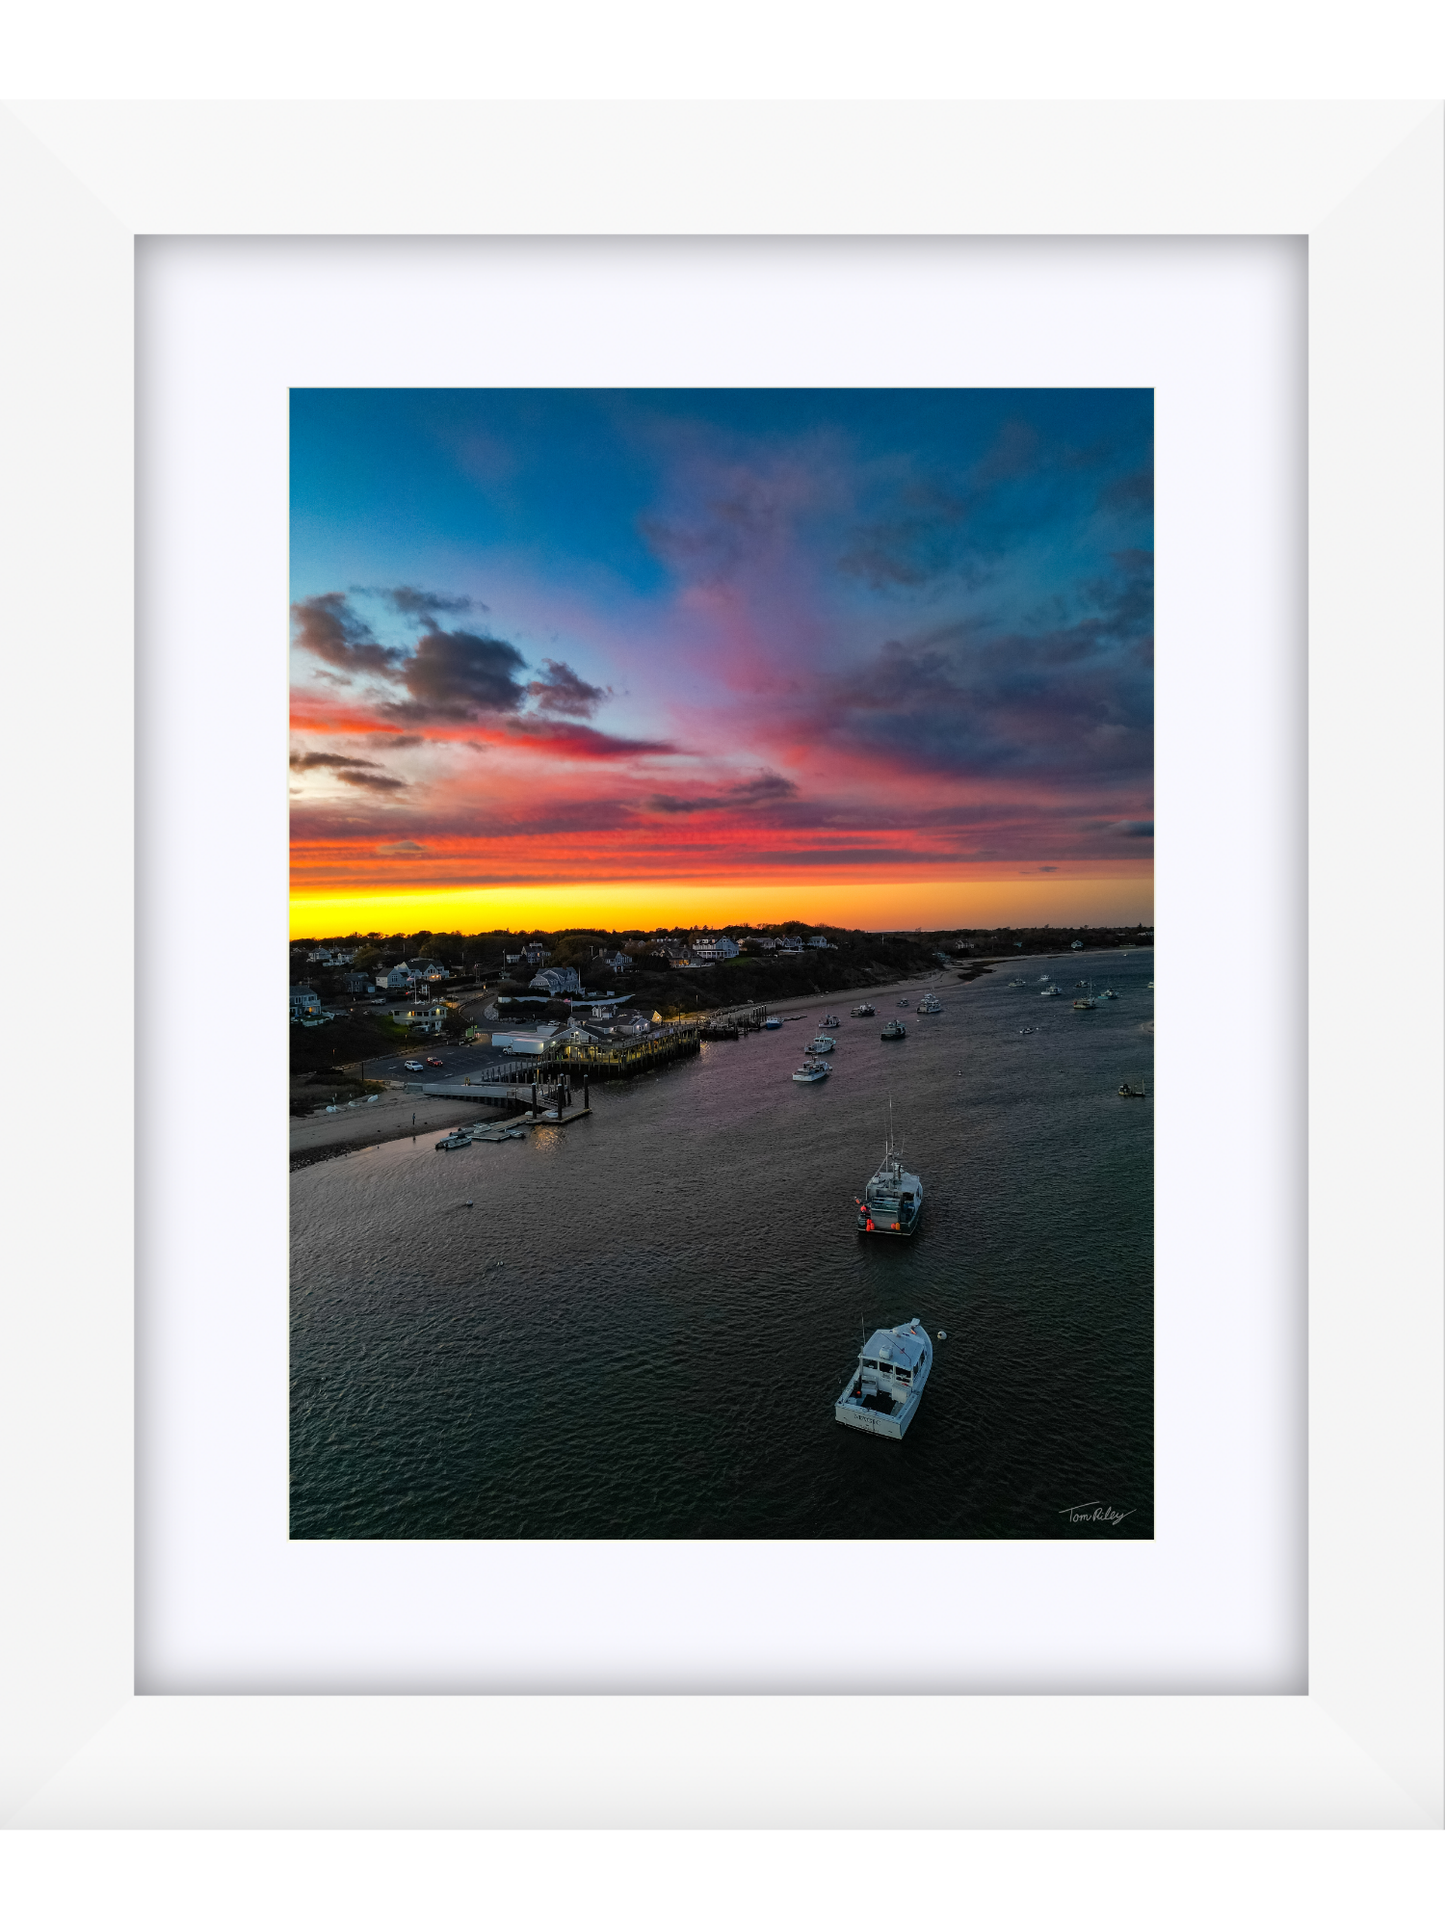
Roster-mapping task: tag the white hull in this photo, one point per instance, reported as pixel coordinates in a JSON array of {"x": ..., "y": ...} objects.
[
  {"x": 875, "y": 1399},
  {"x": 883, "y": 1424}
]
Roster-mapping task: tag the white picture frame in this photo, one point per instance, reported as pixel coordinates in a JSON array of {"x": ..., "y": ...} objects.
[{"x": 1363, "y": 1746}]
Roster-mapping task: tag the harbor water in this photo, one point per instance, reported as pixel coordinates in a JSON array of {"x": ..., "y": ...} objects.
[{"x": 637, "y": 1326}]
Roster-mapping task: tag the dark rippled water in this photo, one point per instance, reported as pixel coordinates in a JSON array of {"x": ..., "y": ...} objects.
[{"x": 641, "y": 1326}]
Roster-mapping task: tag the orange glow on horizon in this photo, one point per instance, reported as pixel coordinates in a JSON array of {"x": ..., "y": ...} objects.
[{"x": 928, "y": 903}]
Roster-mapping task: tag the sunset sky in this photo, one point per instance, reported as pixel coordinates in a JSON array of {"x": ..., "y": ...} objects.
[{"x": 873, "y": 657}]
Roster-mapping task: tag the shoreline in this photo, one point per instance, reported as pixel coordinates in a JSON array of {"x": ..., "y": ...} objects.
[
  {"x": 334, "y": 1138},
  {"x": 834, "y": 999},
  {"x": 315, "y": 1139}
]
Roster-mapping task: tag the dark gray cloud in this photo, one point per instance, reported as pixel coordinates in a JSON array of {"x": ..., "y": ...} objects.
[
  {"x": 405, "y": 848},
  {"x": 424, "y": 605},
  {"x": 387, "y": 741},
  {"x": 767, "y": 788},
  {"x": 1070, "y": 699},
  {"x": 363, "y": 779},
  {"x": 323, "y": 759},
  {"x": 330, "y": 628},
  {"x": 560, "y": 691},
  {"x": 456, "y": 675},
  {"x": 581, "y": 741},
  {"x": 1131, "y": 829}
]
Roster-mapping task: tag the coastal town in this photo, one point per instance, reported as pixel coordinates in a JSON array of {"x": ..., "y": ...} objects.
[{"x": 385, "y": 1030}]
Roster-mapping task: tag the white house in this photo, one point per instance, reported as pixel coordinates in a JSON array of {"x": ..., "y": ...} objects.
[
  {"x": 534, "y": 953},
  {"x": 713, "y": 949},
  {"x": 428, "y": 970},
  {"x": 422, "y": 1017},
  {"x": 819, "y": 943},
  {"x": 791, "y": 946},
  {"x": 559, "y": 981},
  {"x": 305, "y": 1005},
  {"x": 397, "y": 978},
  {"x": 619, "y": 962}
]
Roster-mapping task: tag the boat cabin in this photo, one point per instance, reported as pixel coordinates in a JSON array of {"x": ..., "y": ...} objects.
[{"x": 890, "y": 1358}]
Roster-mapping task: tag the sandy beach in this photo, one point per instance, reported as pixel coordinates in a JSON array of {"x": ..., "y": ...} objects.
[{"x": 316, "y": 1138}]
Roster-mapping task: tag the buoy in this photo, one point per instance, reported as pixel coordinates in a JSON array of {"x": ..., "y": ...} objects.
[{"x": 943, "y": 1334}]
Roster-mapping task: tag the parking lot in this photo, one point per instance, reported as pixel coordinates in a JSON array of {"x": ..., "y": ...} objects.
[{"x": 456, "y": 1060}]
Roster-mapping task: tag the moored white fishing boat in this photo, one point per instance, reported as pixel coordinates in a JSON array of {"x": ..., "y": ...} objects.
[
  {"x": 813, "y": 1072},
  {"x": 821, "y": 1043},
  {"x": 883, "y": 1394},
  {"x": 893, "y": 1197}
]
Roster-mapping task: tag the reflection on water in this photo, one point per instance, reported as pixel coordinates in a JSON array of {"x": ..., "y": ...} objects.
[{"x": 640, "y": 1326}]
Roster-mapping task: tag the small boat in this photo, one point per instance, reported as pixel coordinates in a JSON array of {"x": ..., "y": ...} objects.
[
  {"x": 821, "y": 1043},
  {"x": 456, "y": 1141},
  {"x": 1150, "y": 984},
  {"x": 1083, "y": 1003},
  {"x": 893, "y": 1197},
  {"x": 894, "y": 1028},
  {"x": 1052, "y": 991},
  {"x": 772, "y": 1023},
  {"x": 928, "y": 1005},
  {"x": 813, "y": 1072},
  {"x": 864, "y": 1010},
  {"x": 883, "y": 1393},
  {"x": 1106, "y": 994},
  {"x": 1017, "y": 983},
  {"x": 903, "y": 1003},
  {"x": 830, "y": 1022},
  {"x": 1128, "y": 1090}
]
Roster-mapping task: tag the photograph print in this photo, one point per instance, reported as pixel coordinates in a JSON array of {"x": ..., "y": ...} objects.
[{"x": 721, "y": 964}]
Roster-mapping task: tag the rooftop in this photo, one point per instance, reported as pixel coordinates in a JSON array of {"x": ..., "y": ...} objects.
[{"x": 904, "y": 1349}]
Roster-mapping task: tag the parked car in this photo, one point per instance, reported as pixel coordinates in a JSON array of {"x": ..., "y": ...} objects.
[
  {"x": 435, "y": 1062},
  {"x": 412, "y": 1064}
]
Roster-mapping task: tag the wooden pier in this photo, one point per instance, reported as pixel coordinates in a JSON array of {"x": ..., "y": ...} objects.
[
  {"x": 736, "y": 1022},
  {"x": 543, "y": 1095}
]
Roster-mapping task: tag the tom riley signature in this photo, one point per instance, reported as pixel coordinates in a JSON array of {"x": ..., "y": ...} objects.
[{"x": 1093, "y": 1513}]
